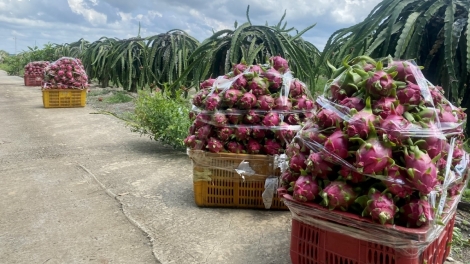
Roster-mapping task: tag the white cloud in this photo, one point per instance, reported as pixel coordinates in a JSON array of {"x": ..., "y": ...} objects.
[{"x": 94, "y": 17}]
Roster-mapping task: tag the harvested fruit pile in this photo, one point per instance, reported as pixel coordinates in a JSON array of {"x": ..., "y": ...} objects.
[
  {"x": 254, "y": 109},
  {"x": 35, "y": 68},
  {"x": 65, "y": 73},
  {"x": 384, "y": 144}
]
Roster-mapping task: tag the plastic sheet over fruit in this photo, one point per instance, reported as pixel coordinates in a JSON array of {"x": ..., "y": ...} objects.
[
  {"x": 408, "y": 241},
  {"x": 65, "y": 73},
  {"x": 35, "y": 68}
]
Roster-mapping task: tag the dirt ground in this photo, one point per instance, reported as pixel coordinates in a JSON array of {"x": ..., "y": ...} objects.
[{"x": 97, "y": 99}]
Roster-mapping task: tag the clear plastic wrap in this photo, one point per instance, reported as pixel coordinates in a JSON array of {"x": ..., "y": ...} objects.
[
  {"x": 399, "y": 149},
  {"x": 65, "y": 73}
]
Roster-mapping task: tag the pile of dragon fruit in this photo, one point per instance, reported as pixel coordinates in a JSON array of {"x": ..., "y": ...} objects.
[
  {"x": 65, "y": 73},
  {"x": 35, "y": 68},
  {"x": 382, "y": 142},
  {"x": 254, "y": 109}
]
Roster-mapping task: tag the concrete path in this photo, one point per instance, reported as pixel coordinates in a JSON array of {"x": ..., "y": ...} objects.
[{"x": 77, "y": 187}]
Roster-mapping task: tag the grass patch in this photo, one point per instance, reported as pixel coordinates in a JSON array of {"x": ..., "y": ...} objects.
[
  {"x": 98, "y": 92},
  {"x": 119, "y": 97}
]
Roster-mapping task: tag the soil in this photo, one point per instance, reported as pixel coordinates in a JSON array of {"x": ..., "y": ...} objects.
[{"x": 97, "y": 96}]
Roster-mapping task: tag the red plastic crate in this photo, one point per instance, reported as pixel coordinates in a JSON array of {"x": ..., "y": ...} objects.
[
  {"x": 313, "y": 245},
  {"x": 31, "y": 80}
]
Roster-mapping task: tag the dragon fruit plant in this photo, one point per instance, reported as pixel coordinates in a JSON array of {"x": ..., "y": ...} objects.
[
  {"x": 65, "y": 73},
  {"x": 379, "y": 143},
  {"x": 250, "y": 110}
]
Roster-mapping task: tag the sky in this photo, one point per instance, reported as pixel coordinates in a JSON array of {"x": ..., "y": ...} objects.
[{"x": 29, "y": 23}]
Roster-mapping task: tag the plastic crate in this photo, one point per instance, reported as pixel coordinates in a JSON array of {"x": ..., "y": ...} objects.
[
  {"x": 224, "y": 187},
  {"x": 31, "y": 80},
  {"x": 312, "y": 245},
  {"x": 55, "y": 98}
]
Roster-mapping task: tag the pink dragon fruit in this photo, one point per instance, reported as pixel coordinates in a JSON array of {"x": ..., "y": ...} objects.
[
  {"x": 372, "y": 156},
  {"x": 199, "y": 97},
  {"x": 274, "y": 78},
  {"x": 351, "y": 175},
  {"x": 447, "y": 116},
  {"x": 305, "y": 189},
  {"x": 242, "y": 133},
  {"x": 298, "y": 162},
  {"x": 303, "y": 103},
  {"x": 213, "y": 102},
  {"x": 327, "y": 118},
  {"x": 416, "y": 212},
  {"x": 234, "y": 116},
  {"x": 280, "y": 64},
  {"x": 380, "y": 207},
  {"x": 247, "y": 101},
  {"x": 272, "y": 147},
  {"x": 384, "y": 105},
  {"x": 455, "y": 189},
  {"x": 240, "y": 83},
  {"x": 224, "y": 133},
  {"x": 381, "y": 83},
  {"x": 421, "y": 170},
  {"x": 394, "y": 126},
  {"x": 336, "y": 144},
  {"x": 214, "y": 145},
  {"x": 311, "y": 132},
  {"x": 219, "y": 119},
  {"x": 207, "y": 84},
  {"x": 318, "y": 166},
  {"x": 189, "y": 141},
  {"x": 265, "y": 102},
  {"x": 255, "y": 69},
  {"x": 338, "y": 195},
  {"x": 271, "y": 119},
  {"x": 231, "y": 97},
  {"x": 297, "y": 88},
  {"x": 410, "y": 95},
  {"x": 201, "y": 120},
  {"x": 253, "y": 146},
  {"x": 396, "y": 182},
  {"x": 258, "y": 133},
  {"x": 353, "y": 102},
  {"x": 258, "y": 86},
  {"x": 199, "y": 144},
  {"x": 204, "y": 132},
  {"x": 404, "y": 71},
  {"x": 287, "y": 178},
  {"x": 337, "y": 93},
  {"x": 357, "y": 125},
  {"x": 293, "y": 119},
  {"x": 239, "y": 68},
  {"x": 285, "y": 132},
  {"x": 235, "y": 147},
  {"x": 282, "y": 103},
  {"x": 434, "y": 144},
  {"x": 437, "y": 94},
  {"x": 367, "y": 68},
  {"x": 251, "y": 117}
]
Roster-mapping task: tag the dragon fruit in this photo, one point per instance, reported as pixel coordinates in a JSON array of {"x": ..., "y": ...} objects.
[
  {"x": 199, "y": 97},
  {"x": 240, "y": 83},
  {"x": 351, "y": 175},
  {"x": 219, "y": 119},
  {"x": 239, "y": 68},
  {"x": 214, "y": 145},
  {"x": 372, "y": 156},
  {"x": 297, "y": 88},
  {"x": 394, "y": 126},
  {"x": 271, "y": 119},
  {"x": 358, "y": 123},
  {"x": 410, "y": 95},
  {"x": 234, "y": 116},
  {"x": 284, "y": 132},
  {"x": 380, "y": 207},
  {"x": 353, "y": 102},
  {"x": 338, "y": 195},
  {"x": 274, "y": 78},
  {"x": 235, "y": 147},
  {"x": 265, "y": 102},
  {"x": 201, "y": 120},
  {"x": 224, "y": 133},
  {"x": 396, "y": 182},
  {"x": 381, "y": 83},
  {"x": 437, "y": 94},
  {"x": 189, "y": 141},
  {"x": 282, "y": 103},
  {"x": 199, "y": 144},
  {"x": 247, "y": 101},
  {"x": 318, "y": 166},
  {"x": 434, "y": 144},
  {"x": 287, "y": 177},
  {"x": 455, "y": 189},
  {"x": 204, "y": 132},
  {"x": 258, "y": 133},
  {"x": 305, "y": 188},
  {"x": 253, "y": 146},
  {"x": 337, "y": 93},
  {"x": 384, "y": 105},
  {"x": 404, "y": 71},
  {"x": 251, "y": 117},
  {"x": 303, "y": 103},
  {"x": 421, "y": 170},
  {"x": 258, "y": 86},
  {"x": 207, "y": 84},
  {"x": 327, "y": 118},
  {"x": 446, "y": 116},
  {"x": 298, "y": 162},
  {"x": 280, "y": 64},
  {"x": 231, "y": 97},
  {"x": 213, "y": 102},
  {"x": 242, "y": 133},
  {"x": 312, "y": 133},
  {"x": 416, "y": 212},
  {"x": 293, "y": 119},
  {"x": 336, "y": 144},
  {"x": 272, "y": 147}
]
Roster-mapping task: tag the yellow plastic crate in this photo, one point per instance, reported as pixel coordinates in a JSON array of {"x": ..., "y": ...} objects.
[
  {"x": 217, "y": 184},
  {"x": 54, "y": 98}
]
